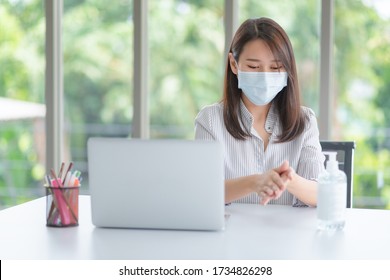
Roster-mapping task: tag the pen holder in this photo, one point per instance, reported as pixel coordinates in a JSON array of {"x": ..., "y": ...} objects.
[{"x": 62, "y": 206}]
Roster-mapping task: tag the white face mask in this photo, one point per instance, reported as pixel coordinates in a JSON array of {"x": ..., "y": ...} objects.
[{"x": 261, "y": 87}]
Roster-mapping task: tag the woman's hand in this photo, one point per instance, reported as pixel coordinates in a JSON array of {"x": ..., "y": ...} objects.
[
  {"x": 274, "y": 182},
  {"x": 269, "y": 185}
]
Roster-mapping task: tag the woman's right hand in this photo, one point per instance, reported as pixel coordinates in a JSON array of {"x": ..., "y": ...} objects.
[{"x": 274, "y": 182}]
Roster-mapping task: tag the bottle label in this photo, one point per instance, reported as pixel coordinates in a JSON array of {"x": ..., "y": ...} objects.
[{"x": 331, "y": 202}]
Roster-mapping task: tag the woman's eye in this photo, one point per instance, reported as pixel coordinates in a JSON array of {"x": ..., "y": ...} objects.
[
  {"x": 277, "y": 67},
  {"x": 252, "y": 67}
]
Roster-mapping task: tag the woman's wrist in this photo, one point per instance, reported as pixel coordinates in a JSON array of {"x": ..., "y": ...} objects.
[{"x": 254, "y": 183}]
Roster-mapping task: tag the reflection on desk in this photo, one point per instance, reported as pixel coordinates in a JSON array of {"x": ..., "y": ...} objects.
[{"x": 252, "y": 232}]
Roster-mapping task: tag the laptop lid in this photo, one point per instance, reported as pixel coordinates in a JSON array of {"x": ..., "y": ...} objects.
[{"x": 156, "y": 184}]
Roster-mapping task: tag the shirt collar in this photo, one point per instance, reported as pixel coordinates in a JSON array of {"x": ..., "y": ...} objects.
[
  {"x": 247, "y": 116},
  {"x": 270, "y": 122}
]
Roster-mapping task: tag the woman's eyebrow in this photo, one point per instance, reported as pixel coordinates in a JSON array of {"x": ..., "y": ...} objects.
[
  {"x": 253, "y": 59},
  {"x": 259, "y": 60}
]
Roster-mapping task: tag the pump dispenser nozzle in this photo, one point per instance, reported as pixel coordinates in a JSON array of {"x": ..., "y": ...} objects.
[{"x": 332, "y": 163}]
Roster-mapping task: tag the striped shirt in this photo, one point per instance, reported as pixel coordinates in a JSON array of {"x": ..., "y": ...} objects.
[{"x": 247, "y": 157}]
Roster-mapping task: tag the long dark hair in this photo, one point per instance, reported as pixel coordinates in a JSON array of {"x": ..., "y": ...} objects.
[{"x": 288, "y": 103}]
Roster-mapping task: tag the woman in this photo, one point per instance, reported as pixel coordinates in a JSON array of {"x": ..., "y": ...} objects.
[{"x": 265, "y": 132}]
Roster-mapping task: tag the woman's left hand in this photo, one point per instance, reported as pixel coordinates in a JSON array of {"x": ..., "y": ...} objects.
[{"x": 286, "y": 173}]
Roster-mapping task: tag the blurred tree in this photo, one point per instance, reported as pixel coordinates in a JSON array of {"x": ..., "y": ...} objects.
[
  {"x": 97, "y": 44},
  {"x": 186, "y": 65},
  {"x": 361, "y": 114},
  {"x": 21, "y": 77}
]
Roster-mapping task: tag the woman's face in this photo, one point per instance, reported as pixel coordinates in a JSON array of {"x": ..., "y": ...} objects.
[{"x": 256, "y": 56}]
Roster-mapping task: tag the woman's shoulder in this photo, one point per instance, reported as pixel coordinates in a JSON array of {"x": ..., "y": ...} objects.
[
  {"x": 309, "y": 116},
  {"x": 308, "y": 112}
]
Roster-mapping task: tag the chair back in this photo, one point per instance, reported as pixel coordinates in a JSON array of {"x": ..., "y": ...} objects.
[{"x": 345, "y": 152}]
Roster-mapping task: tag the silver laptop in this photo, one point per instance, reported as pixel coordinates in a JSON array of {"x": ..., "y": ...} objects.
[{"x": 156, "y": 184}]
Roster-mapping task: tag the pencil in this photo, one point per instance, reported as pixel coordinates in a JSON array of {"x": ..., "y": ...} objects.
[
  {"x": 53, "y": 173},
  {"x": 61, "y": 170},
  {"x": 67, "y": 171}
]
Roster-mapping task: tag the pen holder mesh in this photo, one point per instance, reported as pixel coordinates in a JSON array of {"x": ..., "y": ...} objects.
[{"x": 62, "y": 206}]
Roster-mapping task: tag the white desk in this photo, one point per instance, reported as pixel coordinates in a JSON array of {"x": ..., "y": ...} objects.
[{"x": 252, "y": 232}]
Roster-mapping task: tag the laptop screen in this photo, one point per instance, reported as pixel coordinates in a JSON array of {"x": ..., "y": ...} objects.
[{"x": 160, "y": 184}]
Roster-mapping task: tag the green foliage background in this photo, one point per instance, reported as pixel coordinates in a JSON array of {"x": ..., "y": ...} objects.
[{"x": 186, "y": 44}]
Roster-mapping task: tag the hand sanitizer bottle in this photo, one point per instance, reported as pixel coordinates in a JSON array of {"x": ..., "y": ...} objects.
[{"x": 332, "y": 196}]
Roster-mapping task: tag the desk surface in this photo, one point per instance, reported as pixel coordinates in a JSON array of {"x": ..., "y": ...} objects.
[{"x": 252, "y": 232}]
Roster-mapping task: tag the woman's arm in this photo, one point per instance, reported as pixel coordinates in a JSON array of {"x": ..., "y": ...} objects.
[
  {"x": 239, "y": 187},
  {"x": 311, "y": 163},
  {"x": 269, "y": 185},
  {"x": 303, "y": 189}
]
